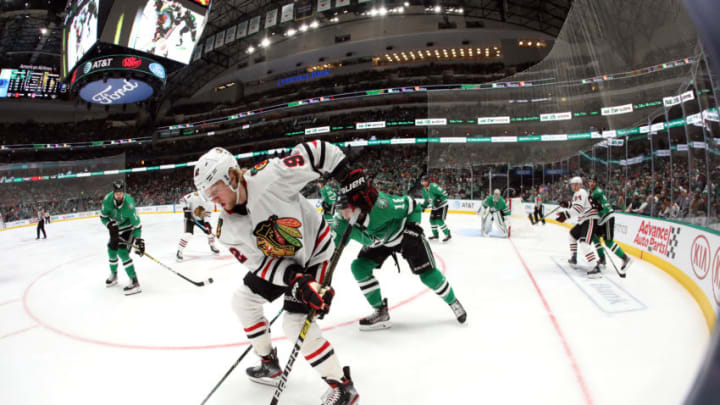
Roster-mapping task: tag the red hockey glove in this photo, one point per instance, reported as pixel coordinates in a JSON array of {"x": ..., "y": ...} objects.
[
  {"x": 562, "y": 217},
  {"x": 304, "y": 288},
  {"x": 360, "y": 193}
]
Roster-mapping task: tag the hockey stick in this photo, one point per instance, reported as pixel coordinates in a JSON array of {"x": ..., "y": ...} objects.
[
  {"x": 311, "y": 314},
  {"x": 199, "y": 225},
  {"x": 236, "y": 363},
  {"x": 608, "y": 254},
  {"x": 197, "y": 283}
]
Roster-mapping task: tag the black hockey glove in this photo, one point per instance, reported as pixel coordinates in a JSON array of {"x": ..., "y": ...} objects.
[
  {"x": 413, "y": 230},
  {"x": 565, "y": 204},
  {"x": 562, "y": 216},
  {"x": 188, "y": 214},
  {"x": 140, "y": 246},
  {"x": 326, "y": 207},
  {"x": 112, "y": 226},
  {"x": 360, "y": 193},
  {"x": 304, "y": 288}
]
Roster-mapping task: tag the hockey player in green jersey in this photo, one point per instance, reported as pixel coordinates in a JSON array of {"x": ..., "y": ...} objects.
[
  {"x": 391, "y": 225},
  {"x": 606, "y": 228},
  {"x": 120, "y": 217},
  {"x": 436, "y": 198},
  {"x": 495, "y": 210},
  {"x": 328, "y": 197}
]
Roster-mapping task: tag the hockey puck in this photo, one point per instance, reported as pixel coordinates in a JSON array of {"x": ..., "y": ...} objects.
[{"x": 210, "y": 280}]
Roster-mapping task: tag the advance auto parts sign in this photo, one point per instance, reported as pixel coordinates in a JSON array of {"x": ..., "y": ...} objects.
[
  {"x": 116, "y": 91},
  {"x": 694, "y": 251}
]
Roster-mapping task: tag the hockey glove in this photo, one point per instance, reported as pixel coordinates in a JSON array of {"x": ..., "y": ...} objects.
[
  {"x": 140, "y": 246},
  {"x": 188, "y": 214},
  {"x": 413, "y": 230},
  {"x": 326, "y": 207},
  {"x": 562, "y": 217},
  {"x": 303, "y": 287},
  {"x": 112, "y": 226},
  {"x": 208, "y": 228},
  {"x": 565, "y": 204},
  {"x": 360, "y": 193}
]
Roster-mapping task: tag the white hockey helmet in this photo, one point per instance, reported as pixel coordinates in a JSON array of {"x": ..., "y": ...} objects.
[
  {"x": 213, "y": 167},
  {"x": 576, "y": 180}
]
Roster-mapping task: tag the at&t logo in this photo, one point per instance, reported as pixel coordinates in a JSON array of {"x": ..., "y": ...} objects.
[{"x": 700, "y": 257}]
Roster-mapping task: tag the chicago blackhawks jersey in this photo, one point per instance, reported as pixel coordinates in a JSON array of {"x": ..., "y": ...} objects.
[
  {"x": 277, "y": 227},
  {"x": 385, "y": 224},
  {"x": 195, "y": 205},
  {"x": 581, "y": 207}
]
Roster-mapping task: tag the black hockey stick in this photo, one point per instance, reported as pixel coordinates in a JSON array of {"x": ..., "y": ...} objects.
[
  {"x": 235, "y": 365},
  {"x": 311, "y": 314},
  {"x": 197, "y": 283},
  {"x": 609, "y": 253}
]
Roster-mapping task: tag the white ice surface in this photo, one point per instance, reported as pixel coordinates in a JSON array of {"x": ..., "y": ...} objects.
[{"x": 66, "y": 339}]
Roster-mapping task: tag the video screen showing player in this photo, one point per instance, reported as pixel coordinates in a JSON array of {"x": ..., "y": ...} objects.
[
  {"x": 168, "y": 29},
  {"x": 82, "y": 31}
]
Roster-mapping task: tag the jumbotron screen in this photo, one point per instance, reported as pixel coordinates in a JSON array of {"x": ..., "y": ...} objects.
[
  {"x": 165, "y": 28},
  {"x": 18, "y": 83},
  {"x": 80, "y": 32}
]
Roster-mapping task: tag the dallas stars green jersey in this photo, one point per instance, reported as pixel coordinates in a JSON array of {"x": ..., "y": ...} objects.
[
  {"x": 126, "y": 215},
  {"x": 600, "y": 202},
  {"x": 434, "y": 194},
  {"x": 500, "y": 205},
  {"x": 328, "y": 195},
  {"x": 386, "y": 222}
]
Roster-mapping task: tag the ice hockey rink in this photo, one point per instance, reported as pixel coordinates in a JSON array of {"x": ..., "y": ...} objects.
[{"x": 537, "y": 331}]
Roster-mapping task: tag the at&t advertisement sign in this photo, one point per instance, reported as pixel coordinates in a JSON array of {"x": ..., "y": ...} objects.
[{"x": 116, "y": 91}]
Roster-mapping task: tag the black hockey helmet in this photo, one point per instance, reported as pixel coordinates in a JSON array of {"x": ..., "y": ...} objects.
[
  {"x": 425, "y": 177},
  {"x": 118, "y": 185}
]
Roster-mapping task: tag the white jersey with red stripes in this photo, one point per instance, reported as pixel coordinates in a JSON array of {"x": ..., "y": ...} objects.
[
  {"x": 192, "y": 202},
  {"x": 277, "y": 226},
  {"x": 581, "y": 207}
]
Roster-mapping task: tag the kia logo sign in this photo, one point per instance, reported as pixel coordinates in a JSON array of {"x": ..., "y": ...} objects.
[
  {"x": 700, "y": 256},
  {"x": 116, "y": 91},
  {"x": 716, "y": 277},
  {"x": 131, "y": 62}
]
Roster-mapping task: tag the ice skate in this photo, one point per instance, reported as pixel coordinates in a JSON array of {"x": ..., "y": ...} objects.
[
  {"x": 622, "y": 271},
  {"x": 268, "y": 371},
  {"x": 459, "y": 311},
  {"x": 380, "y": 319},
  {"x": 178, "y": 256},
  {"x": 133, "y": 287},
  {"x": 214, "y": 249},
  {"x": 447, "y": 238},
  {"x": 112, "y": 280},
  {"x": 341, "y": 392},
  {"x": 434, "y": 237},
  {"x": 594, "y": 272},
  {"x": 572, "y": 261}
]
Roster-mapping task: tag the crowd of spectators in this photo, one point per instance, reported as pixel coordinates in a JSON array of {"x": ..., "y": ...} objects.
[{"x": 397, "y": 171}]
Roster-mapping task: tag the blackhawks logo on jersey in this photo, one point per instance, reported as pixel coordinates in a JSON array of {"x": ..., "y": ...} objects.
[
  {"x": 199, "y": 211},
  {"x": 278, "y": 237},
  {"x": 258, "y": 167}
]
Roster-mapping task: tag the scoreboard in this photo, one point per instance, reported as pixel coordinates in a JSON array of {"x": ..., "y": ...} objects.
[{"x": 17, "y": 83}]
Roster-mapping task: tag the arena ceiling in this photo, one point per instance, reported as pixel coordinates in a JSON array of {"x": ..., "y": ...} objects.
[{"x": 546, "y": 16}]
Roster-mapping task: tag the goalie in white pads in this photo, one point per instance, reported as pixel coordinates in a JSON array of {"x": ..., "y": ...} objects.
[
  {"x": 286, "y": 245},
  {"x": 582, "y": 233},
  {"x": 495, "y": 210},
  {"x": 195, "y": 215}
]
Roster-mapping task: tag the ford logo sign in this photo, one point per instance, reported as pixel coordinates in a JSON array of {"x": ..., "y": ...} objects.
[
  {"x": 158, "y": 70},
  {"x": 116, "y": 91}
]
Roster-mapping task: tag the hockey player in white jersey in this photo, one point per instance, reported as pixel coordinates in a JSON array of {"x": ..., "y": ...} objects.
[
  {"x": 286, "y": 245},
  {"x": 195, "y": 215},
  {"x": 581, "y": 234}
]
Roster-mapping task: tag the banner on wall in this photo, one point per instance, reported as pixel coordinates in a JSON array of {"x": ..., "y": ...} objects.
[
  {"x": 286, "y": 13},
  {"x": 271, "y": 18},
  {"x": 695, "y": 251}
]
